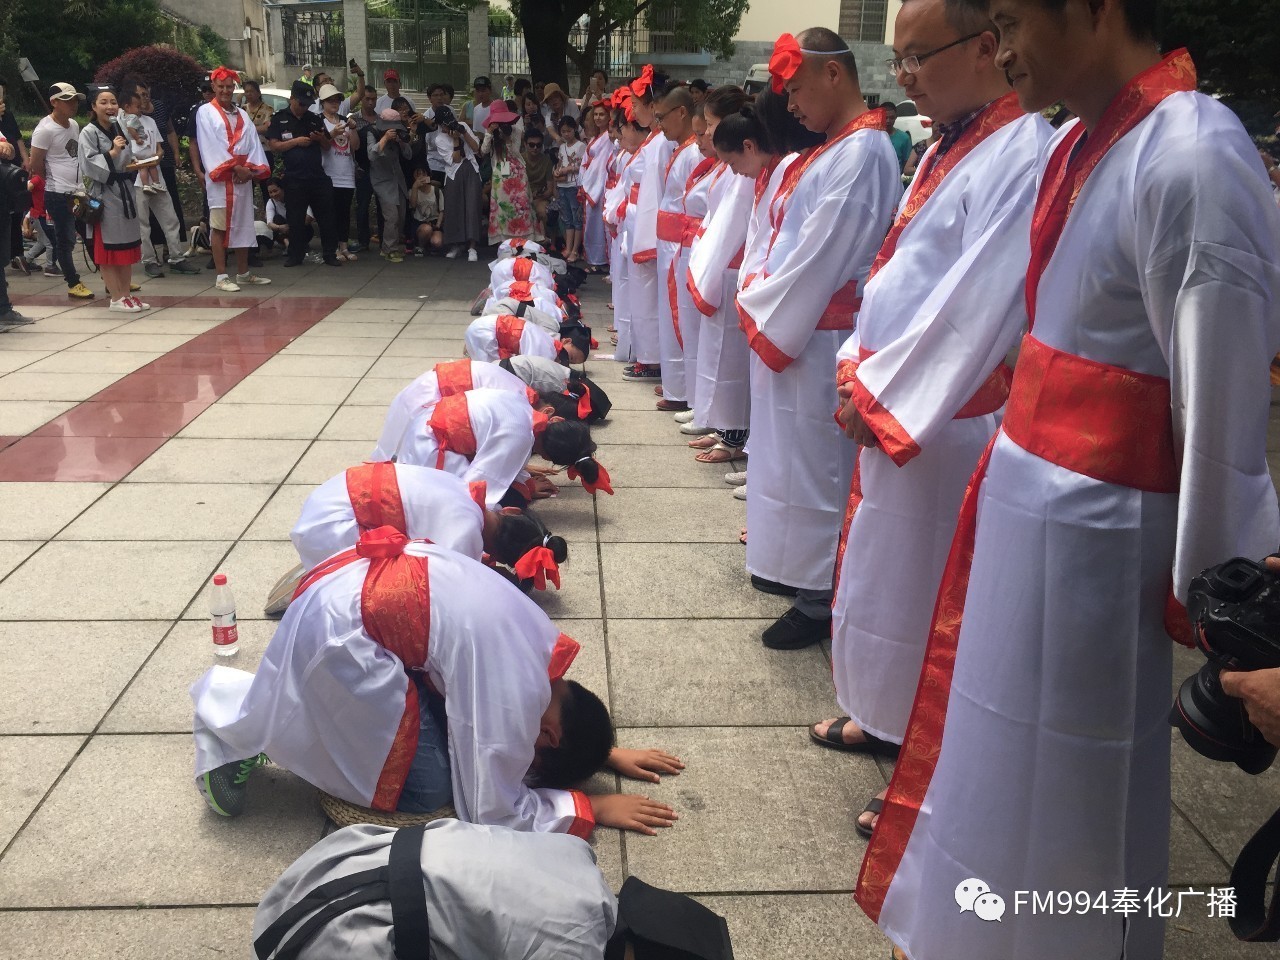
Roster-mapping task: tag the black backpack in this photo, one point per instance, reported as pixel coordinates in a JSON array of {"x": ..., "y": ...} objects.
[{"x": 15, "y": 199}]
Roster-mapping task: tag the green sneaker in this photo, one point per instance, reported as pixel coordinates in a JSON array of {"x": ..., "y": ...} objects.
[{"x": 224, "y": 787}]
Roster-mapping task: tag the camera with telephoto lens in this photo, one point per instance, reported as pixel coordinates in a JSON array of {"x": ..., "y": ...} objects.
[
  {"x": 446, "y": 119},
  {"x": 1235, "y": 617}
]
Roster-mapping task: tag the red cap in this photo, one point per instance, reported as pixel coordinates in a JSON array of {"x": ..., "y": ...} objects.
[
  {"x": 391, "y": 75},
  {"x": 220, "y": 580}
]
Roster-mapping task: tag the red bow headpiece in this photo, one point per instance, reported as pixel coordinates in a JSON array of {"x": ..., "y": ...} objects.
[
  {"x": 224, "y": 73},
  {"x": 602, "y": 481},
  {"x": 785, "y": 61},
  {"x": 643, "y": 83},
  {"x": 539, "y": 565}
]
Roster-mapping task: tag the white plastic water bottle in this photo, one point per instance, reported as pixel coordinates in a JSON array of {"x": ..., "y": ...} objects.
[{"x": 222, "y": 611}]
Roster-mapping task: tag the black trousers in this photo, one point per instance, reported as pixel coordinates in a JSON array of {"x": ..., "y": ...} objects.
[
  {"x": 6, "y": 254},
  {"x": 316, "y": 193},
  {"x": 342, "y": 197}
]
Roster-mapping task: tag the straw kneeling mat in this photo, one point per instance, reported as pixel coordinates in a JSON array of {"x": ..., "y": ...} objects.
[{"x": 346, "y": 814}]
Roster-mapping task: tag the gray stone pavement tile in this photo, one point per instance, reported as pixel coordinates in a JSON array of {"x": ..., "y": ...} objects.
[
  {"x": 407, "y": 369},
  {"x": 760, "y": 810},
  {"x": 231, "y": 461},
  {"x": 625, "y": 395},
  {"x": 63, "y": 677},
  {"x": 170, "y": 511},
  {"x": 677, "y": 673},
  {"x": 157, "y": 700},
  {"x": 112, "y": 580},
  {"x": 44, "y": 310},
  {"x": 280, "y": 514},
  {"x": 335, "y": 347},
  {"x": 569, "y": 514},
  {"x": 131, "y": 802},
  {"x": 148, "y": 325},
  {"x": 252, "y": 569},
  {"x": 355, "y": 423},
  {"x": 643, "y": 427},
  {"x": 11, "y": 360},
  {"x": 13, "y": 552},
  {"x": 376, "y": 392},
  {"x": 128, "y": 934},
  {"x": 579, "y": 593},
  {"x": 28, "y": 768},
  {"x": 260, "y": 421},
  {"x": 420, "y": 339},
  {"x": 353, "y": 314},
  {"x": 311, "y": 366},
  {"x": 803, "y": 926},
  {"x": 25, "y": 385},
  {"x": 34, "y": 340},
  {"x": 20, "y": 417},
  {"x": 121, "y": 361},
  {"x": 590, "y": 666},
  {"x": 1191, "y": 859},
  {"x": 310, "y": 390},
  {"x": 70, "y": 323},
  {"x": 651, "y": 466},
  {"x": 1194, "y": 935},
  {"x": 129, "y": 343},
  {"x": 59, "y": 504},
  {"x": 698, "y": 581},
  {"x": 1225, "y": 804},
  {"x": 372, "y": 301},
  {"x": 336, "y": 328},
  {"x": 325, "y": 458},
  {"x": 650, "y": 515}
]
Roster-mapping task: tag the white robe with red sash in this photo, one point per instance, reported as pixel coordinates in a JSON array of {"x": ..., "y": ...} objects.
[
  {"x": 592, "y": 180},
  {"x": 225, "y": 141},
  {"x": 506, "y": 270},
  {"x": 695, "y": 207},
  {"x": 620, "y": 216},
  {"x": 831, "y": 213},
  {"x": 498, "y": 337},
  {"x": 543, "y": 299},
  {"x": 442, "y": 380},
  {"x": 670, "y": 226},
  {"x": 482, "y": 435},
  {"x": 1133, "y": 447},
  {"x": 722, "y": 392},
  {"x": 420, "y": 502},
  {"x": 648, "y": 179},
  {"x": 333, "y": 702},
  {"x": 941, "y": 287}
]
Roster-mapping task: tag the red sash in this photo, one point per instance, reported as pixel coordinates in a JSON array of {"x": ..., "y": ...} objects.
[
  {"x": 671, "y": 226},
  {"x": 1092, "y": 418},
  {"x": 453, "y": 377},
  {"x": 994, "y": 116},
  {"x": 508, "y": 330},
  {"x": 375, "y": 496},
  {"x": 451, "y": 425},
  {"x": 522, "y": 270},
  {"x": 225, "y": 171}
]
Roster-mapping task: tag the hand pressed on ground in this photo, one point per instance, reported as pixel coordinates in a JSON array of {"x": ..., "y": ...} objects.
[
  {"x": 644, "y": 764},
  {"x": 629, "y": 811}
]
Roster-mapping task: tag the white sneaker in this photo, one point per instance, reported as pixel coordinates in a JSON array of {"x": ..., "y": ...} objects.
[
  {"x": 738, "y": 479},
  {"x": 740, "y": 493},
  {"x": 313, "y": 258},
  {"x": 472, "y": 256},
  {"x": 252, "y": 279},
  {"x": 693, "y": 430},
  {"x": 452, "y": 254},
  {"x": 124, "y": 305},
  {"x": 227, "y": 285},
  {"x": 684, "y": 416}
]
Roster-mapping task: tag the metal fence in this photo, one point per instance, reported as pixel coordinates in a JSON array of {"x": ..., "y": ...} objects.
[
  {"x": 616, "y": 53},
  {"x": 422, "y": 49},
  {"x": 313, "y": 35}
]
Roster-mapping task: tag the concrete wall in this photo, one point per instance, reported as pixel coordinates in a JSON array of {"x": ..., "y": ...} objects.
[
  {"x": 227, "y": 18},
  {"x": 478, "y": 44},
  {"x": 874, "y": 75},
  {"x": 769, "y": 19}
]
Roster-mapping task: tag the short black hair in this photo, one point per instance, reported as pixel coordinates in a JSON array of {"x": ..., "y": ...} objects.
[
  {"x": 518, "y": 534},
  {"x": 1142, "y": 16},
  {"x": 565, "y": 442},
  {"x": 398, "y": 102},
  {"x": 724, "y": 101},
  {"x": 440, "y": 86},
  {"x": 567, "y": 121},
  {"x": 821, "y": 40},
  {"x": 602, "y": 71},
  {"x": 522, "y": 85},
  {"x": 586, "y": 739}
]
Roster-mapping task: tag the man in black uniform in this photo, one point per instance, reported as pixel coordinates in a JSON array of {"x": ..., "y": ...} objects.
[{"x": 300, "y": 138}]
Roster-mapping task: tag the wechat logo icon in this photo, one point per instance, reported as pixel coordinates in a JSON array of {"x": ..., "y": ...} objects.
[{"x": 975, "y": 896}]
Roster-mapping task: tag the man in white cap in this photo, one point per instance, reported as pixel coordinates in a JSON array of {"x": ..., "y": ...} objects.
[{"x": 53, "y": 156}]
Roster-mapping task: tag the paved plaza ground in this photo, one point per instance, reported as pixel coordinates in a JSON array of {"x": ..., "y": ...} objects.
[{"x": 142, "y": 455}]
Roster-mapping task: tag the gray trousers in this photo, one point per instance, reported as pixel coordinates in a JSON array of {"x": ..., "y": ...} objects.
[
  {"x": 814, "y": 603},
  {"x": 159, "y": 205}
]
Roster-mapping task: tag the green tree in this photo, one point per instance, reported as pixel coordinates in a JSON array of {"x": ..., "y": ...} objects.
[
  {"x": 502, "y": 22},
  {"x": 701, "y": 24},
  {"x": 1235, "y": 44}
]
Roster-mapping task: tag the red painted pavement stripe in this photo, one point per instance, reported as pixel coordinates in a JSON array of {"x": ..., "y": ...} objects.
[{"x": 111, "y": 433}]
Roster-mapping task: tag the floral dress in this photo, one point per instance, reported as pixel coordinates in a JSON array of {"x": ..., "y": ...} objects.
[{"x": 510, "y": 205}]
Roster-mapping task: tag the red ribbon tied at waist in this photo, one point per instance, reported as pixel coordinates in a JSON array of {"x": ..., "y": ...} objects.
[
  {"x": 539, "y": 565},
  {"x": 785, "y": 61},
  {"x": 381, "y": 543}
]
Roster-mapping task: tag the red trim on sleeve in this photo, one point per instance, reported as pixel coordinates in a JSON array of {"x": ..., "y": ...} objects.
[
  {"x": 584, "y": 821},
  {"x": 846, "y": 370},
  {"x": 645, "y": 256},
  {"x": 1176, "y": 622},
  {"x": 704, "y": 308},
  {"x": 764, "y": 348},
  {"x": 894, "y": 439}
]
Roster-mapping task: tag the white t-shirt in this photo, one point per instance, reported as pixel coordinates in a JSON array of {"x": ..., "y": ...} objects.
[
  {"x": 61, "y": 169},
  {"x": 337, "y": 160},
  {"x": 150, "y": 145},
  {"x": 479, "y": 115},
  {"x": 570, "y": 156},
  {"x": 384, "y": 101}
]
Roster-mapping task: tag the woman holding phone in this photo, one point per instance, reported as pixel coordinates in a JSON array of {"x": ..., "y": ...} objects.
[{"x": 106, "y": 160}]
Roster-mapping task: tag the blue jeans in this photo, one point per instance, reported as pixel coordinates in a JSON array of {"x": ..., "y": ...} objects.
[
  {"x": 58, "y": 206},
  {"x": 570, "y": 208},
  {"x": 428, "y": 785}
]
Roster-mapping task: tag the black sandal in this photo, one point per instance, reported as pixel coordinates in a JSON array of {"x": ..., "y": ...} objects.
[
  {"x": 834, "y": 739},
  {"x": 874, "y": 806}
]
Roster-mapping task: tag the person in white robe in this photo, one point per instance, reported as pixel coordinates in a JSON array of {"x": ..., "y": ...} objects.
[
  {"x": 506, "y": 270},
  {"x": 940, "y": 286},
  {"x": 676, "y": 111},
  {"x": 348, "y": 697},
  {"x": 620, "y": 216},
  {"x": 1131, "y": 456},
  {"x": 499, "y": 336},
  {"x": 443, "y": 380},
  {"x": 556, "y": 904},
  {"x": 231, "y": 157},
  {"x": 593, "y": 178},
  {"x": 644, "y": 287},
  {"x": 829, "y": 216},
  {"x": 507, "y": 297}
]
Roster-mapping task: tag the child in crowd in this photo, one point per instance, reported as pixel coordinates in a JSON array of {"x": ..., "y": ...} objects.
[
  {"x": 426, "y": 211},
  {"x": 278, "y": 221},
  {"x": 569, "y": 155},
  {"x": 35, "y": 227},
  {"x": 146, "y": 151}
]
